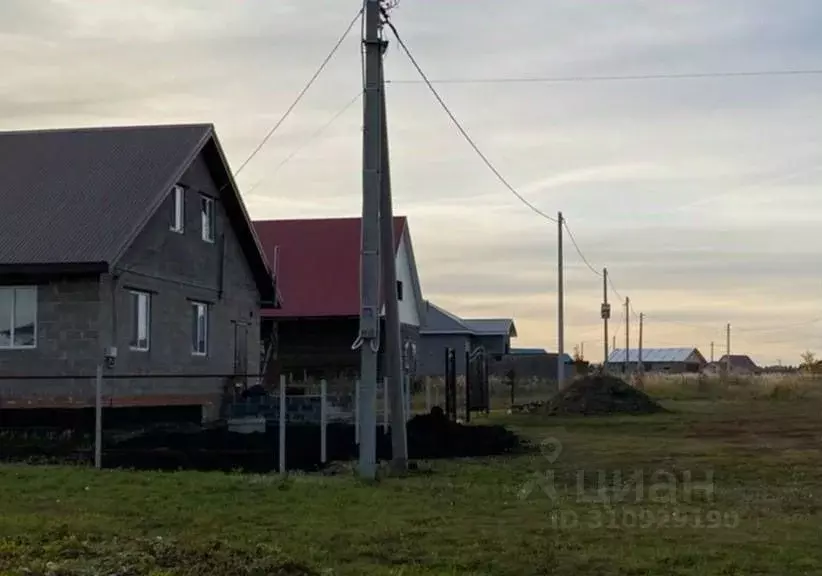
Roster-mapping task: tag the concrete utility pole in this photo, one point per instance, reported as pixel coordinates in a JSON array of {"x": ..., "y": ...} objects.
[
  {"x": 393, "y": 339},
  {"x": 627, "y": 333},
  {"x": 712, "y": 352},
  {"x": 560, "y": 307},
  {"x": 640, "y": 365},
  {"x": 369, "y": 337},
  {"x": 606, "y": 315},
  {"x": 728, "y": 350}
]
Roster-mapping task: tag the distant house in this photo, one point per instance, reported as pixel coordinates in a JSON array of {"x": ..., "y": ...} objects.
[
  {"x": 442, "y": 329},
  {"x": 664, "y": 360},
  {"x": 130, "y": 241},
  {"x": 741, "y": 365},
  {"x": 318, "y": 262}
]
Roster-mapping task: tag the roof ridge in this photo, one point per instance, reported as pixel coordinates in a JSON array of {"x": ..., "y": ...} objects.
[{"x": 108, "y": 128}]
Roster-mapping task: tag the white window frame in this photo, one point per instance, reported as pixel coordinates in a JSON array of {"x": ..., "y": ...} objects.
[
  {"x": 136, "y": 321},
  {"x": 197, "y": 308},
  {"x": 13, "y": 290},
  {"x": 178, "y": 196},
  {"x": 208, "y": 221}
]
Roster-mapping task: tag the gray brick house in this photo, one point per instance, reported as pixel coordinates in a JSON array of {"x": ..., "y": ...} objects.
[
  {"x": 126, "y": 238},
  {"x": 442, "y": 330}
]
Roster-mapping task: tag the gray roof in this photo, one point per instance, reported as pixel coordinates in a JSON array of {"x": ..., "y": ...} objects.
[
  {"x": 440, "y": 321},
  {"x": 492, "y": 326},
  {"x": 77, "y": 198},
  {"x": 652, "y": 355}
]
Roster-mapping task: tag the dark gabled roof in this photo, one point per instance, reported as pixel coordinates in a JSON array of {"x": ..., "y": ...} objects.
[
  {"x": 740, "y": 361},
  {"x": 75, "y": 199}
]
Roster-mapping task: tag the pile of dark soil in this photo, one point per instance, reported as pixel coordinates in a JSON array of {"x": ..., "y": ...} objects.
[
  {"x": 601, "y": 395},
  {"x": 430, "y": 436},
  {"x": 433, "y": 436}
]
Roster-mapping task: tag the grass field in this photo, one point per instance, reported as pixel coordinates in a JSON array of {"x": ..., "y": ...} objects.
[{"x": 762, "y": 515}]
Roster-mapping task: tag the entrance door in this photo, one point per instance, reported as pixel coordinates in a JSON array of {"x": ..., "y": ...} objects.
[{"x": 241, "y": 352}]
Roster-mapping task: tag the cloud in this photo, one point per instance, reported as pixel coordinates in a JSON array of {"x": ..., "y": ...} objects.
[{"x": 701, "y": 196}]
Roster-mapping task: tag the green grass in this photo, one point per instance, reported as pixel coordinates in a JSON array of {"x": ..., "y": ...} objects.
[{"x": 463, "y": 517}]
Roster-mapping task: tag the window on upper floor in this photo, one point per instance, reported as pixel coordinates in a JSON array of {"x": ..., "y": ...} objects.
[
  {"x": 178, "y": 209},
  {"x": 140, "y": 320},
  {"x": 399, "y": 290},
  {"x": 18, "y": 317},
  {"x": 207, "y": 218},
  {"x": 199, "y": 328}
]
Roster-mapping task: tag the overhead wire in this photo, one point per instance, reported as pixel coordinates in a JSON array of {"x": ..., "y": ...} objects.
[
  {"x": 578, "y": 250},
  {"x": 302, "y": 93},
  {"x": 316, "y": 134},
  {"x": 459, "y": 126},
  {"x": 618, "y": 78}
]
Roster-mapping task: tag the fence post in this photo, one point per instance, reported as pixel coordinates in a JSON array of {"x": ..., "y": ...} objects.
[
  {"x": 283, "y": 415},
  {"x": 427, "y": 394},
  {"x": 323, "y": 420},
  {"x": 385, "y": 405},
  {"x": 357, "y": 412},
  {"x": 407, "y": 390},
  {"x": 98, "y": 418}
]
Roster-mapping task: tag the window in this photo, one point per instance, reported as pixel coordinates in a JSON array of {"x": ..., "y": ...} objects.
[
  {"x": 178, "y": 209},
  {"x": 140, "y": 320},
  {"x": 18, "y": 317},
  {"x": 207, "y": 217},
  {"x": 399, "y": 290},
  {"x": 199, "y": 328}
]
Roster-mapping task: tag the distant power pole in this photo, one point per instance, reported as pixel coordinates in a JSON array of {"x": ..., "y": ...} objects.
[
  {"x": 393, "y": 340},
  {"x": 369, "y": 337},
  {"x": 712, "y": 352},
  {"x": 627, "y": 333},
  {"x": 560, "y": 307},
  {"x": 639, "y": 357},
  {"x": 606, "y": 315},
  {"x": 728, "y": 349}
]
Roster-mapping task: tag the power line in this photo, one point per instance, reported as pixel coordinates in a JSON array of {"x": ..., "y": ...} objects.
[
  {"x": 619, "y": 78},
  {"x": 459, "y": 127},
  {"x": 579, "y": 251},
  {"x": 301, "y": 94},
  {"x": 307, "y": 141}
]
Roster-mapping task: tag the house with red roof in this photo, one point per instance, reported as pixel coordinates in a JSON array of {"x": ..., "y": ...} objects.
[{"x": 318, "y": 266}]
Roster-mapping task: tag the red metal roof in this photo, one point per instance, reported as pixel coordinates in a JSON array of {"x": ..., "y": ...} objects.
[{"x": 317, "y": 263}]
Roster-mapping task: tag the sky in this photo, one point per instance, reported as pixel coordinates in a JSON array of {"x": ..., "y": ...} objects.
[{"x": 701, "y": 196}]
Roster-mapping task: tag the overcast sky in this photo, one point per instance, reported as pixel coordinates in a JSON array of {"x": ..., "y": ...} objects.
[{"x": 700, "y": 195}]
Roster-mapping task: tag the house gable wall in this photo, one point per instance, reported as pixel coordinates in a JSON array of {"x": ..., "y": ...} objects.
[
  {"x": 176, "y": 269},
  {"x": 409, "y": 307}
]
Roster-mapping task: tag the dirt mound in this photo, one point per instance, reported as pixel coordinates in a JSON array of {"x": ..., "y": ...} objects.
[{"x": 601, "y": 395}]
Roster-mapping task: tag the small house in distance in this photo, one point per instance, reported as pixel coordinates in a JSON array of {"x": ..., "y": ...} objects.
[
  {"x": 740, "y": 364},
  {"x": 661, "y": 360},
  {"x": 442, "y": 329}
]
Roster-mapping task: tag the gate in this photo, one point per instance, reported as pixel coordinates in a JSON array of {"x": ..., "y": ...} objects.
[
  {"x": 477, "y": 393},
  {"x": 451, "y": 384}
]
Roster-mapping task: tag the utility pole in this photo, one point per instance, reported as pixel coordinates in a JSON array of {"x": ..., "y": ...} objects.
[
  {"x": 560, "y": 308},
  {"x": 640, "y": 365},
  {"x": 393, "y": 341},
  {"x": 606, "y": 315},
  {"x": 627, "y": 333},
  {"x": 712, "y": 352},
  {"x": 728, "y": 350},
  {"x": 369, "y": 336}
]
